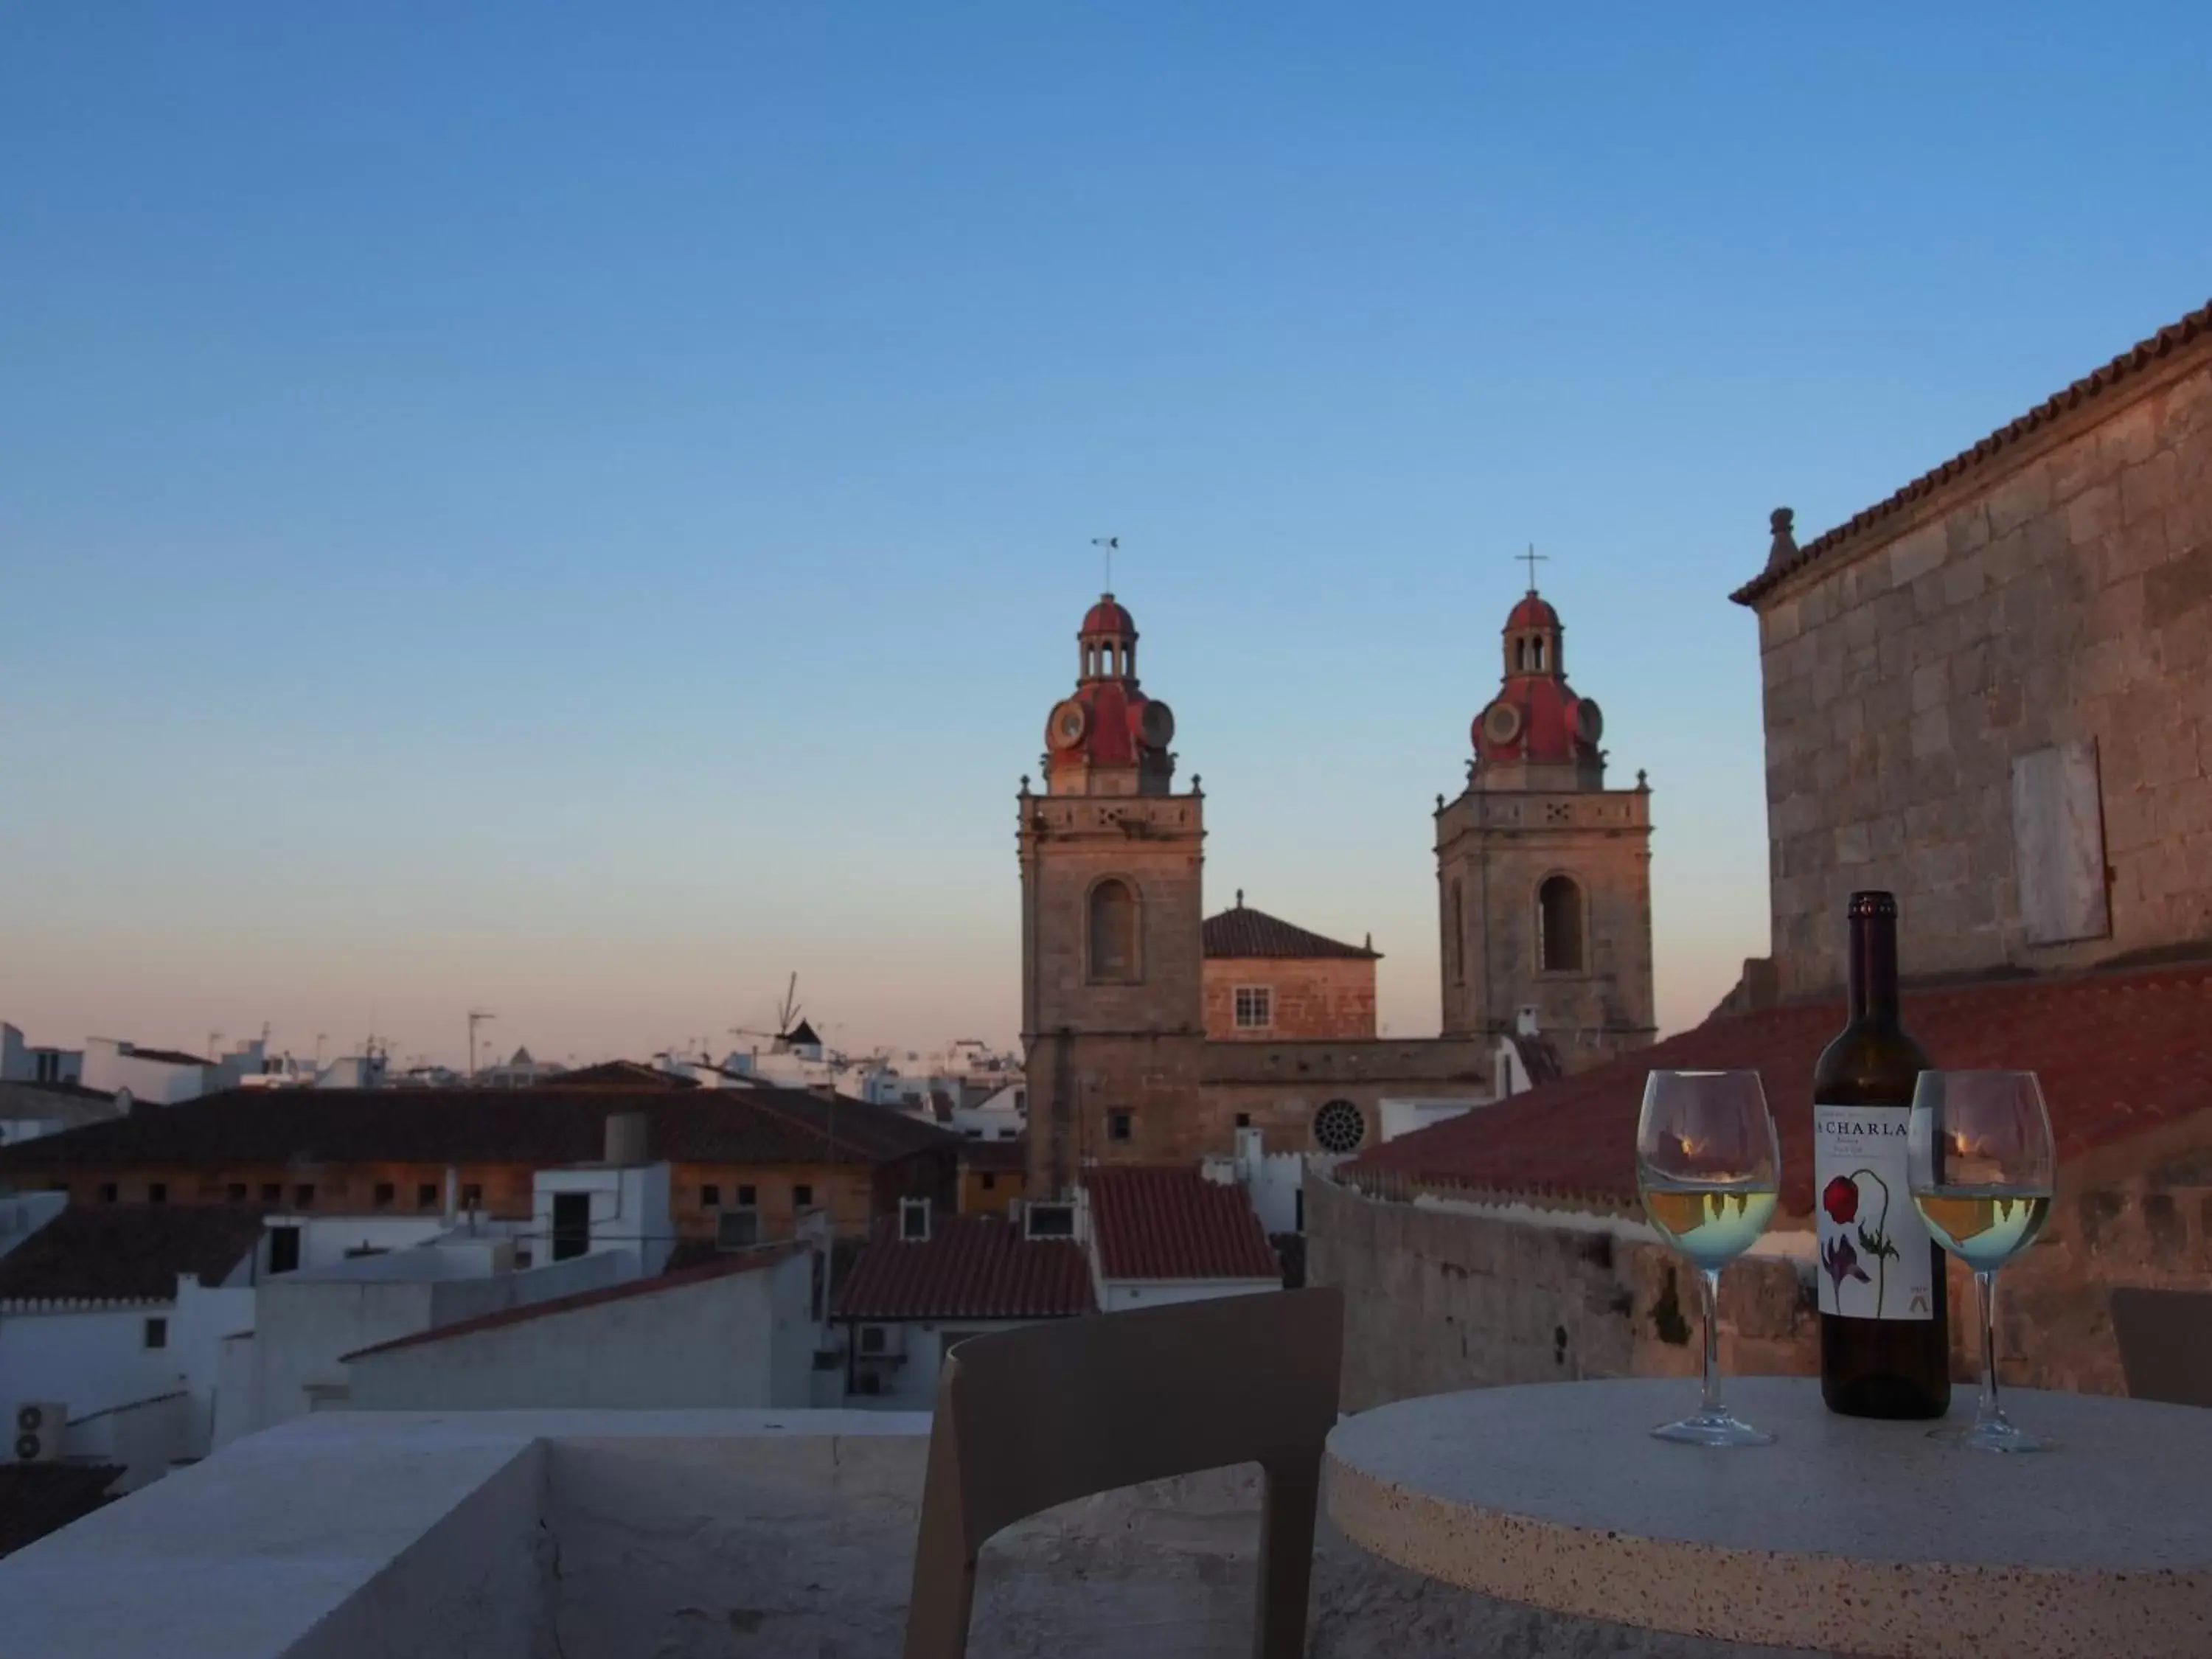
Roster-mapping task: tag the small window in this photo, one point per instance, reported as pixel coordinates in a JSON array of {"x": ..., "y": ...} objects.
[
  {"x": 990, "y": 1182},
  {"x": 157, "y": 1333},
  {"x": 973, "y": 1134},
  {"x": 283, "y": 1249},
  {"x": 913, "y": 1220},
  {"x": 1119, "y": 1126},
  {"x": 473, "y": 1195},
  {"x": 272, "y": 1191},
  {"x": 157, "y": 1192},
  {"x": 735, "y": 1229},
  {"x": 385, "y": 1196},
  {"x": 710, "y": 1196},
  {"x": 802, "y": 1194},
  {"x": 303, "y": 1195},
  {"x": 747, "y": 1197},
  {"x": 872, "y": 1339},
  {"x": 426, "y": 1196},
  {"x": 235, "y": 1193},
  {"x": 1049, "y": 1221},
  {"x": 107, "y": 1192},
  {"x": 1255, "y": 1008},
  {"x": 1244, "y": 1120},
  {"x": 572, "y": 1225},
  {"x": 1339, "y": 1126}
]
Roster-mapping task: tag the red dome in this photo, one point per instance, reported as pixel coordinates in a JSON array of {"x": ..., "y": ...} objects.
[
  {"x": 1108, "y": 618},
  {"x": 1120, "y": 725},
  {"x": 1531, "y": 613},
  {"x": 1536, "y": 717}
]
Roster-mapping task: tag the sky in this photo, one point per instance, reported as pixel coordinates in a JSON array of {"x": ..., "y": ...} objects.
[{"x": 581, "y": 512}]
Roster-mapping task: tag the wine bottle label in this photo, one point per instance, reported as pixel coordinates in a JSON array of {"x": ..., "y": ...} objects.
[{"x": 1875, "y": 1260}]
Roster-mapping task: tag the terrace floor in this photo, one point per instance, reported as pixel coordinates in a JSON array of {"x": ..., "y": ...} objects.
[{"x": 680, "y": 1536}]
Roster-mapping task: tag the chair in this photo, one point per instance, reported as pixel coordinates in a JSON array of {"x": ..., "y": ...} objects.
[
  {"x": 1030, "y": 1418},
  {"x": 2165, "y": 1344}
]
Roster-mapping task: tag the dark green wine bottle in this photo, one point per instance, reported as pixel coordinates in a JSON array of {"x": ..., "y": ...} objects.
[{"x": 1885, "y": 1321}]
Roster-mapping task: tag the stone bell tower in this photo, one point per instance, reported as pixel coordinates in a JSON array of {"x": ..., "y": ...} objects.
[
  {"x": 1543, "y": 874},
  {"x": 1113, "y": 998}
]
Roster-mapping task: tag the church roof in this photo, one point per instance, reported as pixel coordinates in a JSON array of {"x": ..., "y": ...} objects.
[
  {"x": 2118, "y": 1053},
  {"x": 1244, "y": 932},
  {"x": 2196, "y": 327}
]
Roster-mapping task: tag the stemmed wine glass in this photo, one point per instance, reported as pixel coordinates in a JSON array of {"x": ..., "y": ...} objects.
[
  {"x": 1981, "y": 1165},
  {"x": 1708, "y": 1170}
]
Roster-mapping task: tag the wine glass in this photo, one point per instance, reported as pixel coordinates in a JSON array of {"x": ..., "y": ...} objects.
[
  {"x": 1980, "y": 1161},
  {"x": 1708, "y": 1170}
]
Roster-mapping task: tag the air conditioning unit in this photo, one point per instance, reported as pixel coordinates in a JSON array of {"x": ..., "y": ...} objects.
[{"x": 38, "y": 1432}]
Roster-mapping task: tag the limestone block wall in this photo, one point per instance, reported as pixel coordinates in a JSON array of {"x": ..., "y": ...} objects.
[
  {"x": 1440, "y": 1297},
  {"x": 1310, "y": 998},
  {"x": 2061, "y": 600}
]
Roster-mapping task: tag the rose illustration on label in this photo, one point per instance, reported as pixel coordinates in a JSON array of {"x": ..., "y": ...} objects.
[{"x": 1840, "y": 1200}]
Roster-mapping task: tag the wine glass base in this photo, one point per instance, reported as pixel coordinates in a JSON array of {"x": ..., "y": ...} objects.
[
  {"x": 1996, "y": 1434},
  {"x": 1714, "y": 1428}
]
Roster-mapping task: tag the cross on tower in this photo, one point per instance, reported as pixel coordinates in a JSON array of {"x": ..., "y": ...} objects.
[{"x": 1532, "y": 559}]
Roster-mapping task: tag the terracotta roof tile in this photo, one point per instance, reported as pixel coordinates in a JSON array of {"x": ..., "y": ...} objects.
[
  {"x": 969, "y": 1267},
  {"x": 542, "y": 1125},
  {"x": 2144, "y": 353},
  {"x": 1243, "y": 932},
  {"x": 1175, "y": 1224},
  {"x": 127, "y": 1252},
  {"x": 682, "y": 1279},
  {"x": 2118, "y": 1054},
  {"x": 37, "y": 1499}
]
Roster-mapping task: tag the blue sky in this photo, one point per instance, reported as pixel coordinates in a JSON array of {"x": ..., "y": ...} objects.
[{"x": 583, "y": 509}]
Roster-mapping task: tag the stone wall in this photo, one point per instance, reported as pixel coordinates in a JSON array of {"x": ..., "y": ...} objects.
[
  {"x": 1440, "y": 1296},
  {"x": 2056, "y": 597},
  {"x": 1443, "y": 1294},
  {"x": 1277, "y": 1087},
  {"x": 1312, "y": 997}
]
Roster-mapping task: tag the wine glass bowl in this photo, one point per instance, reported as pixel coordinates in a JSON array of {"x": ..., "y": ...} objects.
[
  {"x": 1982, "y": 1168},
  {"x": 1708, "y": 1169}
]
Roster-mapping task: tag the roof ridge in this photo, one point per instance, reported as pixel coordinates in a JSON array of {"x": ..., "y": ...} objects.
[{"x": 2150, "y": 350}]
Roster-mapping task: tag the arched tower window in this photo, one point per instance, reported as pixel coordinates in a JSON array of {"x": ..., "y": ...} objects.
[
  {"x": 1113, "y": 931},
  {"x": 1559, "y": 920},
  {"x": 1458, "y": 945}
]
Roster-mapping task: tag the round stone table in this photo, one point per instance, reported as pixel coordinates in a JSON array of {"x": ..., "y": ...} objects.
[{"x": 1848, "y": 1537}]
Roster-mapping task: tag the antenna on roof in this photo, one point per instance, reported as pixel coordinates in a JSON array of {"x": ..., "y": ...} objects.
[{"x": 477, "y": 1017}]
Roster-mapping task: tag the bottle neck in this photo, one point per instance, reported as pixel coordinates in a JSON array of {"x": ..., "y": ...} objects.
[{"x": 1873, "y": 971}]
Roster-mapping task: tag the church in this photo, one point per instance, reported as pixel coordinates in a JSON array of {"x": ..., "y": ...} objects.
[{"x": 1153, "y": 1032}]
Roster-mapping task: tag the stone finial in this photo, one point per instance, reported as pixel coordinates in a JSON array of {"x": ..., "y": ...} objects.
[
  {"x": 1440, "y": 801},
  {"x": 1370, "y": 942},
  {"x": 1240, "y": 898},
  {"x": 1196, "y": 781},
  {"x": 1640, "y": 783},
  {"x": 1026, "y": 783},
  {"x": 1784, "y": 548}
]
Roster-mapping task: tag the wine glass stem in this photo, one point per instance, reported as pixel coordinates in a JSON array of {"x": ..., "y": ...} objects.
[
  {"x": 1987, "y": 1410},
  {"x": 1710, "y": 1400}
]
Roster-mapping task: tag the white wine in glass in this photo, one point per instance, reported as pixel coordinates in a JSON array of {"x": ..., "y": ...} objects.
[
  {"x": 1979, "y": 1157},
  {"x": 1708, "y": 1170}
]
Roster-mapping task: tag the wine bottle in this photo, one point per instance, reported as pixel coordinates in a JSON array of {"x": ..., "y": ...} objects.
[{"x": 1885, "y": 1321}]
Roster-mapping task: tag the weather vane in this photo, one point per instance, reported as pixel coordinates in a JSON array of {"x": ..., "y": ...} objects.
[
  {"x": 1106, "y": 544},
  {"x": 1532, "y": 559}
]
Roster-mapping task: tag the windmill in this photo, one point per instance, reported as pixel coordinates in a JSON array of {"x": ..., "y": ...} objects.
[{"x": 787, "y": 1020}]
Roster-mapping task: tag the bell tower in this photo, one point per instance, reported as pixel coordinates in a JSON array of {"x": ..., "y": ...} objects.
[
  {"x": 1544, "y": 875},
  {"x": 1113, "y": 998}
]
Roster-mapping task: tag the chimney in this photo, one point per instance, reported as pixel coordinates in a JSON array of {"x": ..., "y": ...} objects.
[{"x": 626, "y": 1138}]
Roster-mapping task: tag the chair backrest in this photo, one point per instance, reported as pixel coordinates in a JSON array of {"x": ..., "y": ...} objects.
[
  {"x": 2165, "y": 1344},
  {"x": 1037, "y": 1417}
]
